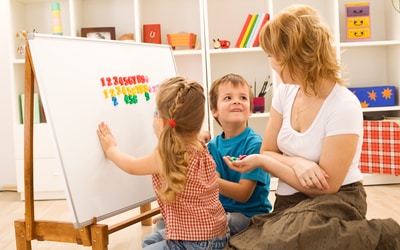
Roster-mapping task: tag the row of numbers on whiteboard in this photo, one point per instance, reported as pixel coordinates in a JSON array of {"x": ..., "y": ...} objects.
[{"x": 128, "y": 87}]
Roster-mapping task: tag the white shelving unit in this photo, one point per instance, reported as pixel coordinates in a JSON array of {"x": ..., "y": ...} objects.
[
  {"x": 251, "y": 63},
  {"x": 371, "y": 63}
]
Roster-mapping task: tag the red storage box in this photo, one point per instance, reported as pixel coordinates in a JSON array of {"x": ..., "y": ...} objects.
[{"x": 381, "y": 148}]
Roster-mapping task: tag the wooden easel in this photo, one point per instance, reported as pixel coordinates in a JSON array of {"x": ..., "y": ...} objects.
[{"x": 26, "y": 230}]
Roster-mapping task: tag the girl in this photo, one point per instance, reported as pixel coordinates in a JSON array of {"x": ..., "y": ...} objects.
[{"x": 183, "y": 173}]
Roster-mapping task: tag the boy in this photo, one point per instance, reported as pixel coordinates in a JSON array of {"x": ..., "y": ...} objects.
[{"x": 242, "y": 195}]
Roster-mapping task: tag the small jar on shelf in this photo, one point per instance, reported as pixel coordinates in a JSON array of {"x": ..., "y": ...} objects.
[{"x": 21, "y": 38}]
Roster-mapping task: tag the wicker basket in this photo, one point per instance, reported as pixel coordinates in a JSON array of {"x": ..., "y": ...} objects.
[{"x": 184, "y": 39}]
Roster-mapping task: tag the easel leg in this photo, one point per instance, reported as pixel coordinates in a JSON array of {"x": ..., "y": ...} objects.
[
  {"x": 20, "y": 236},
  {"x": 99, "y": 237},
  {"x": 145, "y": 208}
]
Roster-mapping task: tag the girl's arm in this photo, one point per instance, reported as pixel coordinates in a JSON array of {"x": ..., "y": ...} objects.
[{"x": 137, "y": 166}]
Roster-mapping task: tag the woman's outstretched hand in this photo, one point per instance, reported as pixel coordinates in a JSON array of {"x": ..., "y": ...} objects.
[
  {"x": 309, "y": 174},
  {"x": 244, "y": 164}
]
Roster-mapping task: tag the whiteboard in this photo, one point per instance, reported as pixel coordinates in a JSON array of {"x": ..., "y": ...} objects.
[{"x": 82, "y": 82}]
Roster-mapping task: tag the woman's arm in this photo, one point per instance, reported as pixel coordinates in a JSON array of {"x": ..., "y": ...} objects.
[
  {"x": 327, "y": 176},
  {"x": 137, "y": 166},
  {"x": 301, "y": 166},
  {"x": 335, "y": 164}
]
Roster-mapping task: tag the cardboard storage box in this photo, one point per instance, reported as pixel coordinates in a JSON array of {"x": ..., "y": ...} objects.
[
  {"x": 358, "y": 24},
  {"x": 378, "y": 96}
]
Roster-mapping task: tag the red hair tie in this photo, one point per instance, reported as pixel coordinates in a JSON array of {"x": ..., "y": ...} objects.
[{"x": 172, "y": 123}]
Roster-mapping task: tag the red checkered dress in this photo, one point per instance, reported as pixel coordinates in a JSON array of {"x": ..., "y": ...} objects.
[
  {"x": 381, "y": 148},
  {"x": 197, "y": 214}
]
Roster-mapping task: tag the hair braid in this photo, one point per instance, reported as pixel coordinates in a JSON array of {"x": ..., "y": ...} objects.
[{"x": 178, "y": 99}]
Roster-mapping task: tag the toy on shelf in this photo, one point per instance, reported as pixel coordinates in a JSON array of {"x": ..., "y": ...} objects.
[
  {"x": 216, "y": 44},
  {"x": 152, "y": 33},
  {"x": 221, "y": 44},
  {"x": 182, "y": 39},
  {"x": 56, "y": 19},
  {"x": 127, "y": 37},
  {"x": 358, "y": 21},
  {"x": 21, "y": 37}
]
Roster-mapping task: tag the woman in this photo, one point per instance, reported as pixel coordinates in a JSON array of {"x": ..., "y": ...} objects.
[{"x": 312, "y": 143}]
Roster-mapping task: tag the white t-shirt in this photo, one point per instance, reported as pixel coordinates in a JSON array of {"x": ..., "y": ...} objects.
[{"x": 340, "y": 114}]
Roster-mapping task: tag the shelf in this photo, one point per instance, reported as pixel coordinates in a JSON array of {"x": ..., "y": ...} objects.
[
  {"x": 235, "y": 50},
  {"x": 19, "y": 61},
  {"x": 378, "y": 109},
  {"x": 32, "y": 1},
  {"x": 186, "y": 52},
  {"x": 369, "y": 44},
  {"x": 259, "y": 115}
]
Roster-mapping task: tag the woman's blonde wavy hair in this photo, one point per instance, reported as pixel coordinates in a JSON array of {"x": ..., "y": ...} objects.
[
  {"x": 183, "y": 101},
  {"x": 302, "y": 45}
]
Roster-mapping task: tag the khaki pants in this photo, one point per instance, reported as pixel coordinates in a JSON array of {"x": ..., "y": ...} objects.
[{"x": 332, "y": 221}]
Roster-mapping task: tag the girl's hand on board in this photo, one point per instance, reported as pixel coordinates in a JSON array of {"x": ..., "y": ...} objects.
[
  {"x": 157, "y": 124},
  {"x": 106, "y": 138}
]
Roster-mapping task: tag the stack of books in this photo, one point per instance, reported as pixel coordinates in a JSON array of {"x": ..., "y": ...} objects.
[
  {"x": 249, "y": 35},
  {"x": 36, "y": 108}
]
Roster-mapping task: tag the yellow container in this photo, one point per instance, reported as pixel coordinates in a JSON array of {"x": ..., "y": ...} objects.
[
  {"x": 360, "y": 33},
  {"x": 356, "y": 22}
]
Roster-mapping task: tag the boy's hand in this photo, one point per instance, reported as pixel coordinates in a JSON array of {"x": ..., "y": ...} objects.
[
  {"x": 107, "y": 140},
  {"x": 157, "y": 218},
  {"x": 244, "y": 164},
  {"x": 204, "y": 136}
]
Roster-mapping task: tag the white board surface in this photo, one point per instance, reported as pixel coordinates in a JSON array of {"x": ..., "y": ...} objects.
[{"x": 69, "y": 73}]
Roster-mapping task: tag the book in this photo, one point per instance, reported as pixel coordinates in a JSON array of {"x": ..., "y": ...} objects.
[
  {"x": 36, "y": 108},
  {"x": 249, "y": 42},
  {"x": 256, "y": 42},
  {"x": 248, "y": 30},
  {"x": 246, "y": 23}
]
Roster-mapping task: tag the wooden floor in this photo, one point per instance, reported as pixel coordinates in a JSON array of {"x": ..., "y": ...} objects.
[{"x": 383, "y": 202}]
